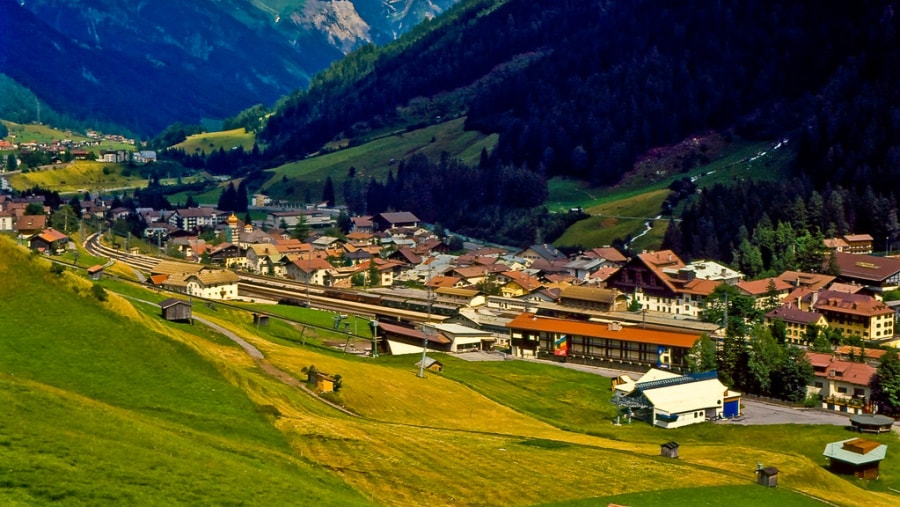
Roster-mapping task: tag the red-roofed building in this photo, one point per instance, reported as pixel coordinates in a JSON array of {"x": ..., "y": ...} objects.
[
  {"x": 760, "y": 290},
  {"x": 48, "y": 241},
  {"x": 855, "y": 314},
  {"x": 599, "y": 343},
  {"x": 842, "y": 385},
  {"x": 662, "y": 282},
  {"x": 799, "y": 324},
  {"x": 518, "y": 284}
]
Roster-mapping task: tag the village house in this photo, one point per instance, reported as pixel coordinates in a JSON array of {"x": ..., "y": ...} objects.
[
  {"x": 800, "y": 325},
  {"x": 763, "y": 290},
  {"x": 593, "y": 298},
  {"x": 49, "y": 241},
  {"x": 542, "y": 251},
  {"x": 518, "y": 283},
  {"x": 662, "y": 282},
  {"x": 394, "y": 220},
  {"x": 29, "y": 225},
  {"x": 205, "y": 283},
  {"x": 854, "y": 314},
  {"x": 313, "y": 271},
  {"x": 195, "y": 218},
  {"x": 843, "y": 386}
]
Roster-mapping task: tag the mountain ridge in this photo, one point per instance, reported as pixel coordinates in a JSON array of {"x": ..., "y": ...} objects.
[{"x": 153, "y": 62}]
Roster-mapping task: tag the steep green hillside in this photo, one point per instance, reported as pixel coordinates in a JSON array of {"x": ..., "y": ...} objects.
[{"x": 99, "y": 409}]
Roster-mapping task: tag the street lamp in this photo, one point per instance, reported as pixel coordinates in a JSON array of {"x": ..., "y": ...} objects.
[{"x": 374, "y": 325}]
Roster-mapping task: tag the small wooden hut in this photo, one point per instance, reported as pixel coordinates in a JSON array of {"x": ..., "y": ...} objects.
[
  {"x": 176, "y": 310},
  {"x": 669, "y": 449},
  {"x": 95, "y": 272},
  {"x": 767, "y": 476}
]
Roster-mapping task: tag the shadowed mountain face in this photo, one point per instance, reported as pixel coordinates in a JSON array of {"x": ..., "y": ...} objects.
[{"x": 146, "y": 64}]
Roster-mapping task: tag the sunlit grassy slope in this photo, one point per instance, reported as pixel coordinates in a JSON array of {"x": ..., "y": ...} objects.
[
  {"x": 622, "y": 211},
  {"x": 375, "y": 158},
  {"x": 108, "y": 404},
  {"x": 24, "y": 133},
  {"x": 209, "y": 142},
  {"x": 80, "y": 175}
]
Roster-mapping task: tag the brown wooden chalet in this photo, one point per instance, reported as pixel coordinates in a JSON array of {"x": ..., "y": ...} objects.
[{"x": 878, "y": 273}]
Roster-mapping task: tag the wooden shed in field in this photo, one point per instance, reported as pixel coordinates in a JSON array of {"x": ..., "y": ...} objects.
[
  {"x": 95, "y": 272},
  {"x": 767, "y": 476},
  {"x": 177, "y": 310},
  {"x": 855, "y": 456},
  {"x": 669, "y": 449}
]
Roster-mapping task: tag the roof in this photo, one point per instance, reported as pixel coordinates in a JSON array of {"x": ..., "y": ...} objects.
[
  {"x": 859, "y": 374},
  {"x": 172, "y": 267},
  {"x": 608, "y": 253},
  {"x": 51, "y": 235},
  {"x": 814, "y": 281},
  {"x": 168, "y": 303},
  {"x": 531, "y": 322},
  {"x": 428, "y": 362},
  {"x": 792, "y": 314},
  {"x": 856, "y": 451},
  {"x": 589, "y": 294},
  {"x": 412, "y": 333},
  {"x": 689, "y": 396},
  {"x": 853, "y": 304},
  {"x": 399, "y": 217},
  {"x": 761, "y": 287},
  {"x": 547, "y": 252},
  {"x": 96, "y": 268},
  {"x": 31, "y": 222},
  {"x": 866, "y": 267},
  {"x": 523, "y": 279},
  {"x": 217, "y": 277}
]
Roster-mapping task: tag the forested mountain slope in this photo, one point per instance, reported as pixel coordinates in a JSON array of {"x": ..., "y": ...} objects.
[
  {"x": 145, "y": 65},
  {"x": 583, "y": 88}
]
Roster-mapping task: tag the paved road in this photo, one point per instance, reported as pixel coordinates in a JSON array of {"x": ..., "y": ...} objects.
[{"x": 754, "y": 412}]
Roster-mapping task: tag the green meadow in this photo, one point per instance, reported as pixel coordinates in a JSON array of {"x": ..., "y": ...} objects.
[
  {"x": 208, "y": 142},
  {"x": 375, "y": 158},
  {"x": 107, "y": 404}
]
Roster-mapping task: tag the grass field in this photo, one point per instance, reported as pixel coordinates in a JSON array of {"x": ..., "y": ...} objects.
[
  {"x": 376, "y": 158},
  {"x": 622, "y": 211},
  {"x": 107, "y": 404},
  {"x": 23, "y": 133},
  {"x": 79, "y": 176},
  {"x": 209, "y": 142}
]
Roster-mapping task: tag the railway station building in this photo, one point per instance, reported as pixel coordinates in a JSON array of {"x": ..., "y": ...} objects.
[{"x": 612, "y": 344}]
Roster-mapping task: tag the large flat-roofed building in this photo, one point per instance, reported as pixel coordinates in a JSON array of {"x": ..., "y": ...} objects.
[{"x": 599, "y": 343}]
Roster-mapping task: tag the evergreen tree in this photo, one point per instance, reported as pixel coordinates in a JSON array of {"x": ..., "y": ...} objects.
[
  {"x": 301, "y": 229},
  {"x": 328, "y": 192},
  {"x": 242, "y": 198},
  {"x": 12, "y": 162},
  {"x": 793, "y": 374},
  {"x": 228, "y": 198},
  {"x": 886, "y": 382},
  {"x": 702, "y": 356}
]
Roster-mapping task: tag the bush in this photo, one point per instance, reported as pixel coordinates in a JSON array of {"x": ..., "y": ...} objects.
[
  {"x": 57, "y": 269},
  {"x": 99, "y": 292}
]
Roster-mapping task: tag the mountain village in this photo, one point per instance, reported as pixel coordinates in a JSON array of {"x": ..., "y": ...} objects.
[{"x": 598, "y": 307}]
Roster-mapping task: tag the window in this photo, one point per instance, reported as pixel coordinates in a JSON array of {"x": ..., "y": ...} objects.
[
  {"x": 842, "y": 390},
  {"x": 819, "y": 385},
  {"x": 859, "y": 392}
]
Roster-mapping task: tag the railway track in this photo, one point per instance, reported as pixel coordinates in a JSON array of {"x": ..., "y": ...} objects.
[{"x": 253, "y": 286}]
